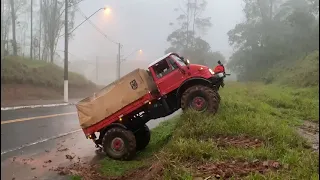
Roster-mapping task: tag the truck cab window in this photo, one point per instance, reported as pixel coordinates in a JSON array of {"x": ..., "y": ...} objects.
[
  {"x": 162, "y": 68},
  {"x": 178, "y": 60},
  {"x": 173, "y": 63}
]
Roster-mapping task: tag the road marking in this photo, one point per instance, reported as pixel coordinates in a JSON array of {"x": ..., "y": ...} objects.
[
  {"x": 37, "y": 117},
  {"x": 40, "y": 141},
  {"x": 71, "y": 132},
  {"x": 35, "y": 106}
]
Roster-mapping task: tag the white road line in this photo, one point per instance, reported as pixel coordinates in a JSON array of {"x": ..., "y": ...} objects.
[
  {"x": 35, "y": 106},
  {"x": 37, "y": 117},
  {"x": 40, "y": 141}
]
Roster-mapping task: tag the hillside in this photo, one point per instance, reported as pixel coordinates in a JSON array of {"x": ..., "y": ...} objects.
[
  {"x": 302, "y": 72},
  {"x": 255, "y": 135},
  {"x": 25, "y": 79}
]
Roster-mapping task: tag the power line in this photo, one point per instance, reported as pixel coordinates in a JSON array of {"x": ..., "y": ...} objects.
[
  {"x": 69, "y": 6},
  {"x": 98, "y": 29},
  {"x": 85, "y": 20}
]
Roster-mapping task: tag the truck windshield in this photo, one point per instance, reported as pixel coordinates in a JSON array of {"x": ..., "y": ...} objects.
[{"x": 178, "y": 60}]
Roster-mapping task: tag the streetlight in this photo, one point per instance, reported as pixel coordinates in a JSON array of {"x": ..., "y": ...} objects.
[
  {"x": 66, "y": 44},
  {"x": 107, "y": 10}
]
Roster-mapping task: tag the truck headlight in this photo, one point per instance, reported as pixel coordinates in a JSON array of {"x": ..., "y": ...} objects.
[{"x": 211, "y": 71}]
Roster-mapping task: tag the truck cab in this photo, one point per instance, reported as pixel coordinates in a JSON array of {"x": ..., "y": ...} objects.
[
  {"x": 174, "y": 75},
  {"x": 170, "y": 71}
]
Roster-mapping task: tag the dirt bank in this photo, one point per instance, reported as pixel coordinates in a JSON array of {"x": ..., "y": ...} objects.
[{"x": 16, "y": 94}]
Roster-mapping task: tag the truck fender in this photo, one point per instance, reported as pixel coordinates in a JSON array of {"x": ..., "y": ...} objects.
[
  {"x": 104, "y": 130},
  {"x": 190, "y": 82}
]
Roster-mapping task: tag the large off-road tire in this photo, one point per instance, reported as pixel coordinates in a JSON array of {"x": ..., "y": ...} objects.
[
  {"x": 142, "y": 137},
  {"x": 200, "y": 98},
  {"x": 218, "y": 96},
  {"x": 119, "y": 144}
]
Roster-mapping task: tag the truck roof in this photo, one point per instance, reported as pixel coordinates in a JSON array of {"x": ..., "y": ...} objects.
[{"x": 159, "y": 59}]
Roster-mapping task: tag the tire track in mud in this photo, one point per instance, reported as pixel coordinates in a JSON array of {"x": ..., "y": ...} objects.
[{"x": 310, "y": 131}]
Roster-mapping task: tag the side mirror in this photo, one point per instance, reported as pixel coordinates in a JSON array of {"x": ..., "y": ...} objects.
[{"x": 187, "y": 62}]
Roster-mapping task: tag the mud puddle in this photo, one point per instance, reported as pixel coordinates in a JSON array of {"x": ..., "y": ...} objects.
[
  {"x": 310, "y": 131},
  {"x": 233, "y": 169},
  {"x": 67, "y": 150},
  {"x": 242, "y": 141}
]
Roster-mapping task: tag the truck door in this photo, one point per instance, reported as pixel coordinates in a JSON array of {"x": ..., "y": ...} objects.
[{"x": 169, "y": 75}]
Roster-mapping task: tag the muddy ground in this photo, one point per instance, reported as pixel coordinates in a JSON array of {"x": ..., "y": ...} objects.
[
  {"x": 209, "y": 170},
  {"x": 65, "y": 159},
  {"x": 310, "y": 131}
]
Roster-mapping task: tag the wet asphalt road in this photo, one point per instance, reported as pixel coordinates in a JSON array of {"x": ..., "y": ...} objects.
[
  {"x": 42, "y": 123},
  {"x": 16, "y": 134}
]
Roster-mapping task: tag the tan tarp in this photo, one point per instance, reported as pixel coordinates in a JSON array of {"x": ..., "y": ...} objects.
[{"x": 113, "y": 97}]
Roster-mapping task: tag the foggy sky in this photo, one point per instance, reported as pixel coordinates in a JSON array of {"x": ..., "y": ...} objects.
[{"x": 144, "y": 24}]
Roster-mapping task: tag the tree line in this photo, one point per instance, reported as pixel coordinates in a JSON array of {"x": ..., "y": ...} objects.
[
  {"x": 274, "y": 32},
  {"x": 189, "y": 28},
  {"x": 32, "y": 28}
]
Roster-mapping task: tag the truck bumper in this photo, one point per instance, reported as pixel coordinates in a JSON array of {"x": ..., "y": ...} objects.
[
  {"x": 214, "y": 79},
  {"x": 216, "y": 82}
]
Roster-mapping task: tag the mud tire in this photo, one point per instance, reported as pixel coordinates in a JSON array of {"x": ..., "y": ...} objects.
[
  {"x": 218, "y": 97},
  {"x": 142, "y": 137},
  {"x": 209, "y": 95},
  {"x": 128, "y": 139}
]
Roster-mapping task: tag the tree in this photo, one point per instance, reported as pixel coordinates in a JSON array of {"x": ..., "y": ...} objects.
[
  {"x": 214, "y": 57},
  {"x": 13, "y": 18},
  {"x": 53, "y": 23},
  {"x": 16, "y": 6},
  {"x": 186, "y": 38},
  {"x": 274, "y": 31},
  {"x": 6, "y": 22}
]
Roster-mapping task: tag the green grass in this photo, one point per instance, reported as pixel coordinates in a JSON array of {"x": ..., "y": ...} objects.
[
  {"x": 75, "y": 178},
  {"x": 270, "y": 113},
  {"x": 17, "y": 70},
  {"x": 303, "y": 72}
]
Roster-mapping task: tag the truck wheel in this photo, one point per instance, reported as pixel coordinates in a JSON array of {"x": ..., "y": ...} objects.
[
  {"x": 218, "y": 96},
  {"x": 142, "y": 137},
  {"x": 119, "y": 144},
  {"x": 200, "y": 98}
]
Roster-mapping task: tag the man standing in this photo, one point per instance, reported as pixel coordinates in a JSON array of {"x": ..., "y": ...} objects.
[{"x": 219, "y": 68}]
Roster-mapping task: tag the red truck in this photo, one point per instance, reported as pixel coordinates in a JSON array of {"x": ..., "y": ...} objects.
[{"x": 179, "y": 84}]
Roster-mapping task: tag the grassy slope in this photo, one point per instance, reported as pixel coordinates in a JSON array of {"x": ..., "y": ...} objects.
[
  {"x": 303, "y": 72},
  {"x": 269, "y": 113},
  {"x": 17, "y": 70}
]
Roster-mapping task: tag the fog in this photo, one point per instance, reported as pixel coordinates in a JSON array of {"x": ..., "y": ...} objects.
[
  {"x": 250, "y": 37},
  {"x": 137, "y": 24}
]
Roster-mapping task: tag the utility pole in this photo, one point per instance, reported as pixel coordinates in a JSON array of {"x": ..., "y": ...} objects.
[
  {"x": 2, "y": 32},
  {"x": 118, "y": 61},
  {"x": 40, "y": 31},
  {"x": 97, "y": 69},
  {"x": 66, "y": 36},
  {"x": 2, "y": 40},
  {"x": 31, "y": 42}
]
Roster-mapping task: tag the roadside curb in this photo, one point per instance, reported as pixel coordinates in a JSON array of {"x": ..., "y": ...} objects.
[{"x": 36, "y": 106}]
